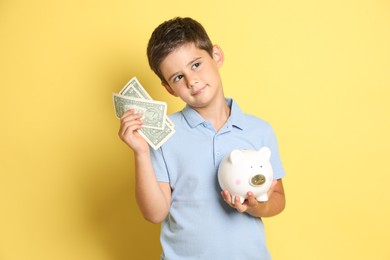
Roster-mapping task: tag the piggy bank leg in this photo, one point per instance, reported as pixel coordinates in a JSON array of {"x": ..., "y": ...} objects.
[{"x": 263, "y": 197}]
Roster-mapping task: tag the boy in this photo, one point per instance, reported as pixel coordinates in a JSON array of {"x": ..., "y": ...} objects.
[{"x": 177, "y": 184}]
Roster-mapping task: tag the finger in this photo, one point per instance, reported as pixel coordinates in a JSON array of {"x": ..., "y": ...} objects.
[
  {"x": 272, "y": 188},
  {"x": 251, "y": 200},
  {"x": 226, "y": 196},
  {"x": 240, "y": 207},
  {"x": 126, "y": 122},
  {"x": 129, "y": 117},
  {"x": 129, "y": 127},
  {"x": 129, "y": 112}
]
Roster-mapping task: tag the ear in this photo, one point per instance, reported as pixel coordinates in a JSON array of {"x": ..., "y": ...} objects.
[
  {"x": 265, "y": 152},
  {"x": 218, "y": 56},
  {"x": 169, "y": 89},
  {"x": 235, "y": 156}
]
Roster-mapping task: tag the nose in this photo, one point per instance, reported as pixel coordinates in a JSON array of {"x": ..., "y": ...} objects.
[
  {"x": 192, "y": 80},
  {"x": 257, "y": 180}
]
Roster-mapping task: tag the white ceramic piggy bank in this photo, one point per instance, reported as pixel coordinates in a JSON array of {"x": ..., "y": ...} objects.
[{"x": 242, "y": 171}]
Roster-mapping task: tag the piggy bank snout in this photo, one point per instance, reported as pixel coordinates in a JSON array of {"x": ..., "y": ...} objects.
[{"x": 257, "y": 180}]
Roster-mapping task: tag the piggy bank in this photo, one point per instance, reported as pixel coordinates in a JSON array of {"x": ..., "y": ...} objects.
[{"x": 242, "y": 171}]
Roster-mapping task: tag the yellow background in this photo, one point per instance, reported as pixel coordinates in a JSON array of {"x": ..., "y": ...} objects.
[{"x": 317, "y": 70}]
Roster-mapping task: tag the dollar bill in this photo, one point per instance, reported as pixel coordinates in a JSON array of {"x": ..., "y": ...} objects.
[
  {"x": 154, "y": 112},
  {"x": 133, "y": 88},
  {"x": 154, "y": 137}
]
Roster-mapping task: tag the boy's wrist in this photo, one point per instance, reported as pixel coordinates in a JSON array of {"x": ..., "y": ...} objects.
[
  {"x": 143, "y": 153},
  {"x": 259, "y": 209}
]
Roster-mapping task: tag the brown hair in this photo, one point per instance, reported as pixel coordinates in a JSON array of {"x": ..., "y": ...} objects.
[{"x": 172, "y": 34}]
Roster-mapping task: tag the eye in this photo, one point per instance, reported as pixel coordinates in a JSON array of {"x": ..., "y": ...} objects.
[
  {"x": 196, "y": 65},
  {"x": 177, "y": 78}
]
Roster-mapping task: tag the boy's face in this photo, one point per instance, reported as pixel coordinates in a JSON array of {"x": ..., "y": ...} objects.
[{"x": 193, "y": 75}]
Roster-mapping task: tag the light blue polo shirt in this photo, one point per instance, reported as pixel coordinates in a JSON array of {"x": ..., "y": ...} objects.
[{"x": 200, "y": 225}]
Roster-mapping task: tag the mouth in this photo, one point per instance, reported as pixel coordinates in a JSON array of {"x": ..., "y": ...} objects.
[{"x": 197, "y": 91}]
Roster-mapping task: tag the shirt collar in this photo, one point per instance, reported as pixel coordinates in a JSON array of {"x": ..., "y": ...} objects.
[
  {"x": 194, "y": 119},
  {"x": 236, "y": 116}
]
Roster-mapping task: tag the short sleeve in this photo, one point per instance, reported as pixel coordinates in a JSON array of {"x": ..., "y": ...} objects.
[
  {"x": 276, "y": 162},
  {"x": 159, "y": 165}
]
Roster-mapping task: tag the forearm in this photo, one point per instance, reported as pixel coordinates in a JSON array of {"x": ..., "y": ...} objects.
[
  {"x": 152, "y": 199},
  {"x": 275, "y": 204}
]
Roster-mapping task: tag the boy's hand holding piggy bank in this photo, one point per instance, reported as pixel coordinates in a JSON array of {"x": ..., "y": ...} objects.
[{"x": 244, "y": 171}]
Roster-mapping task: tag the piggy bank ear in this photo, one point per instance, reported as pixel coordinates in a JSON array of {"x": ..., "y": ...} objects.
[
  {"x": 235, "y": 156},
  {"x": 265, "y": 152}
]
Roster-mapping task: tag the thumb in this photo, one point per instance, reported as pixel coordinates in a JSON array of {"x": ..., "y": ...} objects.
[{"x": 272, "y": 188}]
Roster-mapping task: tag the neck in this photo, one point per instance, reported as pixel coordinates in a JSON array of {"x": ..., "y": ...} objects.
[{"x": 217, "y": 115}]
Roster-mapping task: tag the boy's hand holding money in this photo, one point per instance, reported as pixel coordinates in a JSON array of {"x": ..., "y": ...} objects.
[
  {"x": 130, "y": 122},
  {"x": 141, "y": 116}
]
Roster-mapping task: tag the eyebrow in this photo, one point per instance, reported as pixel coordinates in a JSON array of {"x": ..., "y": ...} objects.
[{"x": 188, "y": 64}]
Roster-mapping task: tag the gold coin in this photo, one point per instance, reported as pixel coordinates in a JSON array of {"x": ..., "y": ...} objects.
[{"x": 258, "y": 179}]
